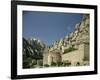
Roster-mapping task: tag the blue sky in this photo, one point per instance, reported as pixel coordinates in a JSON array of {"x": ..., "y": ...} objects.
[{"x": 49, "y": 26}]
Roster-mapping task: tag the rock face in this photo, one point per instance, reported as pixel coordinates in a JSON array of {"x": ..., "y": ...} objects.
[
  {"x": 32, "y": 52},
  {"x": 75, "y": 43},
  {"x": 81, "y": 34}
]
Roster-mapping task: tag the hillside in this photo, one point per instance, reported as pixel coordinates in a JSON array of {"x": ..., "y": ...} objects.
[
  {"x": 80, "y": 34},
  {"x": 32, "y": 50}
]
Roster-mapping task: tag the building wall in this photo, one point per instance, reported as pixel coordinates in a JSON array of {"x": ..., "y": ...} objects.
[
  {"x": 45, "y": 58},
  {"x": 81, "y": 55},
  {"x": 54, "y": 57},
  {"x": 86, "y": 52},
  {"x": 77, "y": 55}
]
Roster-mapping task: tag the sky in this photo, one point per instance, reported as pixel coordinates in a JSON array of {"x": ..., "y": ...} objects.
[{"x": 49, "y": 26}]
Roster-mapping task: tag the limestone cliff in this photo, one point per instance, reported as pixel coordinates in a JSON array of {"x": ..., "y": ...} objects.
[{"x": 79, "y": 35}]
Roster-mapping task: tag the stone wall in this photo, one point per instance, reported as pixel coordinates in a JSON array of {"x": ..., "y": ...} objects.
[
  {"x": 45, "y": 58},
  {"x": 77, "y": 56},
  {"x": 86, "y": 52},
  {"x": 52, "y": 56}
]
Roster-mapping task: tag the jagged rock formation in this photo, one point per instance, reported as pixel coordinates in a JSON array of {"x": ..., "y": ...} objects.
[
  {"x": 75, "y": 41},
  {"x": 32, "y": 52},
  {"x": 81, "y": 34}
]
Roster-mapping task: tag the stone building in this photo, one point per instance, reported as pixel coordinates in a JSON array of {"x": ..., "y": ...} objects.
[
  {"x": 52, "y": 57},
  {"x": 79, "y": 56}
]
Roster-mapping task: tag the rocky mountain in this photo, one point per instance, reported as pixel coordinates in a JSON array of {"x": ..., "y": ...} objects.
[
  {"x": 80, "y": 34},
  {"x": 32, "y": 50},
  {"x": 33, "y": 47}
]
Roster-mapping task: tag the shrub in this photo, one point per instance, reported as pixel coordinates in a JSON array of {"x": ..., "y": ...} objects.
[
  {"x": 27, "y": 62},
  {"x": 40, "y": 62},
  {"x": 69, "y": 50},
  {"x": 46, "y": 65},
  {"x": 53, "y": 64},
  {"x": 66, "y": 63},
  {"x": 59, "y": 63},
  {"x": 78, "y": 64},
  {"x": 34, "y": 62}
]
